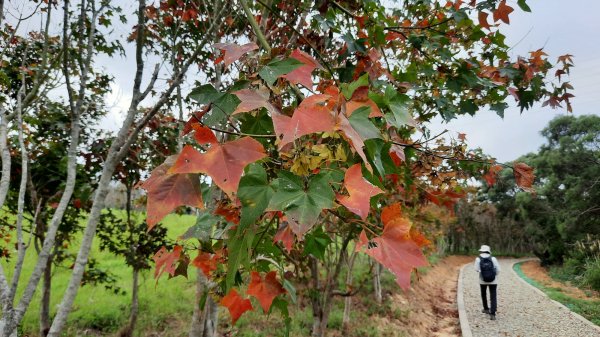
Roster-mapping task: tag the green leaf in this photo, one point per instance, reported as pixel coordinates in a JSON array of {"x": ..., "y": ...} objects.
[
  {"x": 361, "y": 123},
  {"x": 276, "y": 68},
  {"x": 299, "y": 204},
  {"x": 378, "y": 155},
  {"x": 316, "y": 243},
  {"x": 282, "y": 305},
  {"x": 261, "y": 124},
  {"x": 290, "y": 289},
  {"x": 349, "y": 88},
  {"x": 205, "y": 94},
  {"x": 239, "y": 245},
  {"x": 254, "y": 193},
  {"x": 223, "y": 104},
  {"x": 523, "y": 5},
  {"x": 398, "y": 105},
  {"x": 202, "y": 230}
]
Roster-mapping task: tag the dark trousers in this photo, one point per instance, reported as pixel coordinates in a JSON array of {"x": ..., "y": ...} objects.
[{"x": 492, "y": 295}]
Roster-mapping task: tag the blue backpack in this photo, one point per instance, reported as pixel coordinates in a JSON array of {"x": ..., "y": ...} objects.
[{"x": 488, "y": 272}]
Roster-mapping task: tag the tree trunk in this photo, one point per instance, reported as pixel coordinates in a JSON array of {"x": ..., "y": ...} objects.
[
  {"x": 211, "y": 318},
  {"x": 45, "y": 304},
  {"x": 377, "y": 283},
  {"x": 133, "y": 313},
  {"x": 348, "y": 299},
  {"x": 197, "y": 324}
]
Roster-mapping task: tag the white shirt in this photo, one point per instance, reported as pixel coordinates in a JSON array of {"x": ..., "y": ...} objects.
[{"x": 496, "y": 267}]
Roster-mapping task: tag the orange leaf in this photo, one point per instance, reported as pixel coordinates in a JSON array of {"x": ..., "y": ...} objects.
[
  {"x": 502, "y": 12},
  {"x": 394, "y": 249},
  {"x": 252, "y": 100},
  {"x": 265, "y": 290},
  {"x": 168, "y": 191},
  {"x": 232, "y": 52},
  {"x": 166, "y": 261},
  {"x": 397, "y": 154},
  {"x": 236, "y": 305},
  {"x": 285, "y": 236},
  {"x": 303, "y": 74},
  {"x": 229, "y": 212},
  {"x": 360, "y": 191},
  {"x": 524, "y": 176},
  {"x": 224, "y": 163}
]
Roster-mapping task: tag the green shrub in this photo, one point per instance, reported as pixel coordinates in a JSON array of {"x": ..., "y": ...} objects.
[{"x": 591, "y": 276}]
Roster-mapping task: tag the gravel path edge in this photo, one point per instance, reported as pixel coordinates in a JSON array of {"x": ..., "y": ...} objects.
[
  {"x": 536, "y": 289},
  {"x": 465, "y": 328}
]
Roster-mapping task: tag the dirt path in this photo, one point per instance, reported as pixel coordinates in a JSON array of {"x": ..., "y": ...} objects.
[
  {"x": 521, "y": 310},
  {"x": 431, "y": 301}
]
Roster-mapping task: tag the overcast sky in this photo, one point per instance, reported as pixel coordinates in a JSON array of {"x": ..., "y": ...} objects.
[{"x": 561, "y": 27}]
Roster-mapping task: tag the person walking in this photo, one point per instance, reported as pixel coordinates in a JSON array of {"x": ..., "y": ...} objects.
[{"x": 488, "y": 268}]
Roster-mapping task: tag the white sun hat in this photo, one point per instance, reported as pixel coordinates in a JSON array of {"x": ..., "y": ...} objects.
[{"x": 485, "y": 248}]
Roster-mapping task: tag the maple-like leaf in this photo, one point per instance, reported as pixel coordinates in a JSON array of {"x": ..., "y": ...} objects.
[
  {"x": 253, "y": 99},
  {"x": 167, "y": 191},
  {"x": 312, "y": 115},
  {"x": 224, "y": 163},
  {"x": 483, "y": 20},
  {"x": 490, "y": 176},
  {"x": 303, "y": 74},
  {"x": 524, "y": 176},
  {"x": 394, "y": 249},
  {"x": 353, "y": 137},
  {"x": 285, "y": 236},
  {"x": 203, "y": 134},
  {"x": 397, "y": 154},
  {"x": 236, "y": 305},
  {"x": 232, "y": 52},
  {"x": 206, "y": 262},
  {"x": 166, "y": 261},
  {"x": 360, "y": 98},
  {"x": 502, "y": 12},
  {"x": 360, "y": 190},
  {"x": 265, "y": 290}
]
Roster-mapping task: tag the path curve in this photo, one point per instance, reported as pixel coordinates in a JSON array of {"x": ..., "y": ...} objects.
[{"x": 522, "y": 309}]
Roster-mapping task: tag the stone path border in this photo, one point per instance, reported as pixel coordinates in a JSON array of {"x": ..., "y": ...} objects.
[{"x": 462, "y": 313}]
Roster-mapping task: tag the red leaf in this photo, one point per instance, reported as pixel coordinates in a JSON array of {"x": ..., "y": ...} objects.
[
  {"x": 303, "y": 74},
  {"x": 236, "y": 305},
  {"x": 207, "y": 262},
  {"x": 265, "y": 290},
  {"x": 229, "y": 212},
  {"x": 253, "y": 99},
  {"x": 312, "y": 115},
  {"x": 397, "y": 154},
  {"x": 285, "y": 236},
  {"x": 490, "y": 177},
  {"x": 483, "y": 20},
  {"x": 502, "y": 12},
  {"x": 524, "y": 176},
  {"x": 204, "y": 135},
  {"x": 232, "y": 52},
  {"x": 224, "y": 163},
  {"x": 166, "y": 261},
  {"x": 394, "y": 249},
  {"x": 167, "y": 191},
  {"x": 360, "y": 191},
  {"x": 360, "y": 99},
  {"x": 353, "y": 137}
]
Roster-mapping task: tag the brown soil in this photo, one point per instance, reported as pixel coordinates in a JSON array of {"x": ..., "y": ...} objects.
[
  {"x": 431, "y": 301},
  {"x": 535, "y": 271}
]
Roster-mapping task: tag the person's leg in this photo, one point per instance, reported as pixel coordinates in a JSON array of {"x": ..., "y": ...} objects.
[
  {"x": 484, "y": 297},
  {"x": 493, "y": 288}
]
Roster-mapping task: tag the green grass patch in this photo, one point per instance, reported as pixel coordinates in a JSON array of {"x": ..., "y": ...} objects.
[{"x": 590, "y": 309}]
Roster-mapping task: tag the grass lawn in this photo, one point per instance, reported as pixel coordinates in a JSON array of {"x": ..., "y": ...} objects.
[{"x": 166, "y": 304}]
